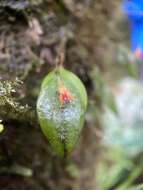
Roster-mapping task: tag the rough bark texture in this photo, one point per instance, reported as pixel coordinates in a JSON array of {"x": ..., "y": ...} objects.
[{"x": 30, "y": 35}]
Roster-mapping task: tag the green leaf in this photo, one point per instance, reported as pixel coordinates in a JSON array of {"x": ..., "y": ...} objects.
[
  {"x": 137, "y": 187},
  {"x": 61, "y": 109}
]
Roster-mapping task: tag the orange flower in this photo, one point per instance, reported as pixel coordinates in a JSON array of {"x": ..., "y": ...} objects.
[{"x": 65, "y": 95}]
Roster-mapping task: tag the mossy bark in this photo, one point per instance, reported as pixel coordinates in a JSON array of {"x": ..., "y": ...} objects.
[{"x": 30, "y": 35}]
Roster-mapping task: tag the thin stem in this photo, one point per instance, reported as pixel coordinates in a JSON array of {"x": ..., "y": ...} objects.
[{"x": 61, "y": 52}]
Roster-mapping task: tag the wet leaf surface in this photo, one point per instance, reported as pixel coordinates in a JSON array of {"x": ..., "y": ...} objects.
[{"x": 61, "y": 108}]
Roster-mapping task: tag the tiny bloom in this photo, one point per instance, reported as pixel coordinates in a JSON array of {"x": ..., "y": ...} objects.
[
  {"x": 65, "y": 95},
  {"x": 138, "y": 53}
]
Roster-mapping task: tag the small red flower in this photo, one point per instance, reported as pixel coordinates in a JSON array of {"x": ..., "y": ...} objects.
[{"x": 65, "y": 95}]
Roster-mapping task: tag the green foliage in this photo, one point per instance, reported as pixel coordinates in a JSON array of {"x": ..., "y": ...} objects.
[
  {"x": 61, "y": 108},
  {"x": 125, "y": 128},
  {"x": 112, "y": 168},
  {"x": 117, "y": 171},
  {"x": 122, "y": 138}
]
